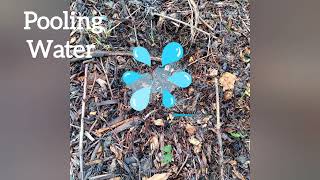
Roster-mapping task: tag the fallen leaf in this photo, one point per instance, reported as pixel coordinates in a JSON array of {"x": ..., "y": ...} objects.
[
  {"x": 102, "y": 83},
  {"x": 204, "y": 120},
  {"x": 247, "y": 91},
  {"x": 191, "y": 59},
  {"x": 170, "y": 117},
  {"x": 236, "y": 173},
  {"x": 194, "y": 141},
  {"x": 190, "y": 91},
  {"x": 73, "y": 40},
  {"x": 191, "y": 129},
  {"x": 227, "y": 95},
  {"x": 227, "y": 81},
  {"x": 116, "y": 152},
  {"x": 245, "y": 55},
  {"x": 116, "y": 178},
  {"x": 154, "y": 143},
  {"x": 93, "y": 162},
  {"x": 213, "y": 72},
  {"x": 162, "y": 176},
  {"x": 158, "y": 122},
  {"x": 233, "y": 163},
  {"x": 93, "y": 113},
  {"x": 197, "y": 149}
]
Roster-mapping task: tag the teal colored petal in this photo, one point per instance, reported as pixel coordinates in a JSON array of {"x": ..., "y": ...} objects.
[
  {"x": 181, "y": 79},
  {"x": 171, "y": 53},
  {"x": 130, "y": 77},
  {"x": 140, "y": 99},
  {"x": 141, "y": 54},
  {"x": 168, "y": 99}
]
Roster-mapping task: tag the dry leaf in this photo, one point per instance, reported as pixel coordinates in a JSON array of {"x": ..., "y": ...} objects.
[
  {"x": 191, "y": 59},
  {"x": 116, "y": 152},
  {"x": 227, "y": 95},
  {"x": 162, "y": 176},
  {"x": 102, "y": 83},
  {"x": 213, "y": 72},
  {"x": 158, "y": 122},
  {"x": 116, "y": 178},
  {"x": 170, "y": 117},
  {"x": 233, "y": 163},
  {"x": 191, "y": 129},
  {"x": 194, "y": 141},
  {"x": 197, "y": 149},
  {"x": 190, "y": 91},
  {"x": 154, "y": 143},
  {"x": 93, "y": 162},
  {"x": 227, "y": 81},
  {"x": 204, "y": 120},
  {"x": 245, "y": 55},
  {"x": 93, "y": 113},
  {"x": 73, "y": 40}
]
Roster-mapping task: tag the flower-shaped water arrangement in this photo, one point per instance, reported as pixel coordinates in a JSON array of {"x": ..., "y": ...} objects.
[{"x": 164, "y": 79}]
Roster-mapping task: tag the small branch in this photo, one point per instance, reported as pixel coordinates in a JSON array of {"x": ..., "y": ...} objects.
[
  {"x": 194, "y": 8},
  {"x": 185, "y": 161},
  {"x": 186, "y": 24},
  {"x": 218, "y": 130},
  {"x": 99, "y": 53},
  {"x": 101, "y": 131},
  {"x": 106, "y": 75},
  {"x": 83, "y": 109}
]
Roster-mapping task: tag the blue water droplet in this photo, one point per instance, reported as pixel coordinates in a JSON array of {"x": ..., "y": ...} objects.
[
  {"x": 168, "y": 99},
  {"x": 141, "y": 54},
  {"x": 130, "y": 77},
  {"x": 140, "y": 99},
  {"x": 181, "y": 79},
  {"x": 171, "y": 53}
]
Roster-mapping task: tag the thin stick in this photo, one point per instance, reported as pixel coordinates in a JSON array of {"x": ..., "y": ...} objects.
[
  {"x": 186, "y": 24},
  {"x": 99, "y": 53},
  {"x": 185, "y": 161},
  {"x": 195, "y": 9},
  {"x": 105, "y": 73},
  {"x": 218, "y": 128},
  {"x": 83, "y": 109},
  {"x": 101, "y": 131}
]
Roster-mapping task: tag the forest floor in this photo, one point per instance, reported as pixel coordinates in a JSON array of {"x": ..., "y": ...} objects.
[{"x": 121, "y": 143}]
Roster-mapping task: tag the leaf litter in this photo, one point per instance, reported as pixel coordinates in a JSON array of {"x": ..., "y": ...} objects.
[{"x": 125, "y": 144}]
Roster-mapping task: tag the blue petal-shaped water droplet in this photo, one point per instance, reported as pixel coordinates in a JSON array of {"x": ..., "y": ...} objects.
[
  {"x": 168, "y": 99},
  {"x": 141, "y": 54},
  {"x": 130, "y": 77},
  {"x": 181, "y": 79},
  {"x": 140, "y": 99},
  {"x": 171, "y": 53}
]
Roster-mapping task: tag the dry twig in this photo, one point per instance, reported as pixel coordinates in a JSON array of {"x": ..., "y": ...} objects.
[
  {"x": 186, "y": 24},
  {"x": 101, "y": 131},
  {"x": 218, "y": 130},
  {"x": 98, "y": 53},
  {"x": 83, "y": 109}
]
